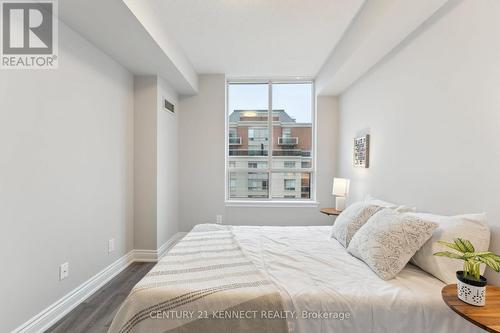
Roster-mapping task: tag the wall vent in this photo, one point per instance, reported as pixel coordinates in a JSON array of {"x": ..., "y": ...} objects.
[{"x": 167, "y": 106}]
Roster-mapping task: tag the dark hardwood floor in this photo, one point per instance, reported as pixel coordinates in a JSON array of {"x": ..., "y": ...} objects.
[{"x": 96, "y": 313}]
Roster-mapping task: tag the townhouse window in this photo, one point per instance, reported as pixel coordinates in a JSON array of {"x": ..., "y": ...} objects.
[
  {"x": 289, "y": 184},
  {"x": 270, "y": 150}
]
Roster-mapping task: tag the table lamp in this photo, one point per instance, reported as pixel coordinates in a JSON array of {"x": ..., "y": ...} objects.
[{"x": 340, "y": 191}]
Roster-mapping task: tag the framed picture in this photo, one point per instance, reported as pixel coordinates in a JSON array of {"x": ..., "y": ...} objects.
[{"x": 361, "y": 151}]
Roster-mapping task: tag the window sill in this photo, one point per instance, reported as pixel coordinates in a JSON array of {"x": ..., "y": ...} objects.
[{"x": 272, "y": 204}]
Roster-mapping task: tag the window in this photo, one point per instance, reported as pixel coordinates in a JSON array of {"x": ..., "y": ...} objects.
[
  {"x": 257, "y": 165},
  {"x": 257, "y": 134},
  {"x": 289, "y": 184},
  {"x": 270, "y": 141}
]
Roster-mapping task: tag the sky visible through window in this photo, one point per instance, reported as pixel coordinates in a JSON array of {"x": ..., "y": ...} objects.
[{"x": 294, "y": 98}]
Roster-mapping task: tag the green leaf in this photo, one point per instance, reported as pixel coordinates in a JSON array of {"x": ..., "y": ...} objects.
[
  {"x": 491, "y": 263},
  {"x": 450, "y": 245},
  {"x": 472, "y": 259},
  {"x": 449, "y": 255},
  {"x": 464, "y": 245},
  {"x": 476, "y": 270},
  {"x": 468, "y": 244},
  {"x": 471, "y": 270},
  {"x": 495, "y": 257},
  {"x": 476, "y": 254},
  {"x": 466, "y": 268}
]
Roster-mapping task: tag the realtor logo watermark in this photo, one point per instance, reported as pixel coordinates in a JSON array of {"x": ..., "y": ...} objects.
[{"x": 29, "y": 34}]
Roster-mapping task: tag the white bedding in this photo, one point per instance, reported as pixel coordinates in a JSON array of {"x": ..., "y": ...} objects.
[{"x": 316, "y": 274}]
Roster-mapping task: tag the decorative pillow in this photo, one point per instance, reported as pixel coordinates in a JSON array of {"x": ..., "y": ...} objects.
[
  {"x": 388, "y": 241},
  {"x": 351, "y": 219},
  {"x": 399, "y": 208},
  {"x": 473, "y": 227}
]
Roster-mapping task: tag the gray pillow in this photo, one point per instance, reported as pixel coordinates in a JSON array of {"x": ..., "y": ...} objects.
[
  {"x": 388, "y": 241},
  {"x": 351, "y": 219}
]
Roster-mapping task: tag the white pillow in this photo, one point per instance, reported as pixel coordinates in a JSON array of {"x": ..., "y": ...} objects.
[
  {"x": 473, "y": 227},
  {"x": 388, "y": 241},
  {"x": 400, "y": 208},
  {"x": 351, "y": 219}
]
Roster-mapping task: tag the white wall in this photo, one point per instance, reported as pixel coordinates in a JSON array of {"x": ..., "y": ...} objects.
[
  {"x": 201, "y": 163},
  {"x": 167, "y": 166},
  {"x": 433, "y": 112},
  {"x": 66, "y": 175},
  {"x": 155, "y": 164},
  {"x": 201, "y": 153},
  {"x": 145, "y": 163}
]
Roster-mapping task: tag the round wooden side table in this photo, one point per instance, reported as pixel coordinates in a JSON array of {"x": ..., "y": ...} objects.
[
  {"x": 487, "y": 317},
  {"x": 330, "y": 211}
]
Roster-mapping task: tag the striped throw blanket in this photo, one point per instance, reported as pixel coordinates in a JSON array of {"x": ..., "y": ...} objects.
[{"x": 205, "y": 283}]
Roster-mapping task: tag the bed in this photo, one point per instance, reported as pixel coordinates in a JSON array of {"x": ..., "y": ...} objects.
[{"x": 279, "y": 279}]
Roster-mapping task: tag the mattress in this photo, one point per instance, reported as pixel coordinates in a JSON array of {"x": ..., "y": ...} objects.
[{"x": 298, "y": 278}]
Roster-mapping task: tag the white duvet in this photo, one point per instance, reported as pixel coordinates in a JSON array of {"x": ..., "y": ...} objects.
[{"x": 317, "y": 276}]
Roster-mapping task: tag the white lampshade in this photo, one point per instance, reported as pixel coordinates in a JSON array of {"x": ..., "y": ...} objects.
[{"x": 340, "y": 187}]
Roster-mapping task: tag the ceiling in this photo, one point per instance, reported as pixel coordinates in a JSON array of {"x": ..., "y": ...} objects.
[
  {"x": 379, "y": 30},
  {"x": 127, "y": 37},
  {"x": 256, "y": 38},
  {"x": 334, "y": 42}
]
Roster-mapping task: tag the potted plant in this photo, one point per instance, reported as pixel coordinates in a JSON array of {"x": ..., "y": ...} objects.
[{"x": 471, "y": 285}]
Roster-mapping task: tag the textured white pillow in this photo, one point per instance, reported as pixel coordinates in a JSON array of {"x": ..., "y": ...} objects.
[
  {"x": 351, "y": 219},
  {"x": 400, "y": 208},
  {"x": 473, "y": 227},
  {"x": 388, "y": 241}
]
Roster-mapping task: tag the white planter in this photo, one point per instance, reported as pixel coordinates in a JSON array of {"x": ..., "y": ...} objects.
[{"x": 470, "y": 291}]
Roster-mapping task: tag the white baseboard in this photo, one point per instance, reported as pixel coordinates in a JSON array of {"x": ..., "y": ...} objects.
[
  {"x": 48, "y": 317},
  {"x": 145, "y": 255},
  {"x": 155, "y": 255}
]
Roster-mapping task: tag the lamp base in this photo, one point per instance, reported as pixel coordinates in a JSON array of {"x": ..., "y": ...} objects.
[{"x": 340, "y": 203}]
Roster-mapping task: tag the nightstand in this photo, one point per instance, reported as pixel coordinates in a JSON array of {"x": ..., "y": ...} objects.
[
  {"x": 487, "y": 317},
  {"x": 330, "y": 211}
]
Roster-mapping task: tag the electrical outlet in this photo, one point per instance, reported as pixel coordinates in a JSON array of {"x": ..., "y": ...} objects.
[
  {"x": 63, "y": 271},
  {"x": 219, "y": 219},
  {"x": 111, "y": 245}
]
